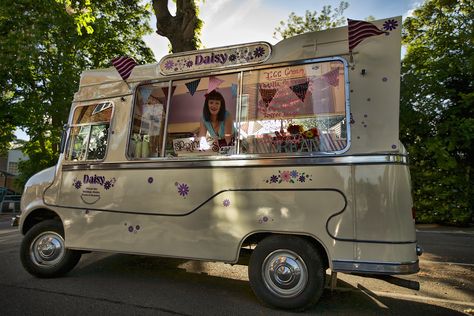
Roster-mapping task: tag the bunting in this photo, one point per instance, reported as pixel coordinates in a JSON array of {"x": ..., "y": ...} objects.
[
  {"x": 145, "y": 92},
  {"x": 165, "y": 91},
  {"x": 192, "y": 86},
  {"x": 233, "y": 88},
  {"x": 360, "y": 30},
  {"x": 214, "y": 82},
  {"x": 124, "y": 66},
  {"x": 332, "y": 77},
  {"x": 267, "y": 95},
  {"x": 300, "y": 90}
]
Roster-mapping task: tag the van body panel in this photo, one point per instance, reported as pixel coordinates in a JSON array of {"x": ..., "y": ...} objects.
[{"x": 349, "y": 194}]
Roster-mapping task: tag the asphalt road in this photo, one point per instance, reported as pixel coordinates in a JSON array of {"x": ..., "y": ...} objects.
[{"x": 117, "y": 284}]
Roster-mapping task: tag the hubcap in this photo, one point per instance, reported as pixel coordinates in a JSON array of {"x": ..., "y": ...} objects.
[
  {"x": 47, "y": 249},
  {"x": 284, "y": 273}
]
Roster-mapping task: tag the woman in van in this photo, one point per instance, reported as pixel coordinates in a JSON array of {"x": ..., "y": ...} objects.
[{"x": 216, "y": 120}]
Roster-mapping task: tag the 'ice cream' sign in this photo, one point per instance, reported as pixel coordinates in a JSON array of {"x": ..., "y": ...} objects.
[{"x": 222, "y": 57}]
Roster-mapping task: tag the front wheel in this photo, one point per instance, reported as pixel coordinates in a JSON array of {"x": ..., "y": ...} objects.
[
  {"x": 287, "y": 272},
  {"x": 43, "y": 252}
]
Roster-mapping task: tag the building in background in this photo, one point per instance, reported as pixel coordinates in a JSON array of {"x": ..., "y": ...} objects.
[{"x": 9, "y": 168}]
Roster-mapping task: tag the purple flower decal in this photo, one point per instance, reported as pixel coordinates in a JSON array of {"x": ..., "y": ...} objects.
[
  {"x": 226, "y": 202},
  {"x": 77, "y": 184},
  {"x": 183, "y": 189},
  {"x": 189, "y": 64},
  {"x": 150, "y": 180},
  {"x": 259, "y": 51},
  {"x": 137, "y": 227},
  {"x": 130, "y": 229},
  {"x": 107, "y": 185},
  {"x": 169, "y": 64},
  {"x": 273, "y": 179},
  {"x": 390, "y": 25},
  {"x": 232, "y": 57},
  {"x": 302, "y": 179}
]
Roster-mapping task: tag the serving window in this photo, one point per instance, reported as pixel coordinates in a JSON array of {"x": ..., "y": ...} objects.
[
  {"x": 146, "y": 137},
  {"x": 294, "y": 109},
  {"x": 89, "y": 131},
  {"x": 190, "y": 132}
]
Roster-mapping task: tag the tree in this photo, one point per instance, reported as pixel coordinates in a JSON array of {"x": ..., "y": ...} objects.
[
  {"x": 312, "y": 21},
  {"x": 437, "y": 109},
  {"x": 183, "y": 29},
  {"x": 44, "y": 46}
]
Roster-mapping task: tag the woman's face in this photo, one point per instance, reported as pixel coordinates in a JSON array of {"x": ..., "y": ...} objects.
[{"x": 214, "y": 106}]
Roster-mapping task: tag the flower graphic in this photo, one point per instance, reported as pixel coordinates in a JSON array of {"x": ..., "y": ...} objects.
[
  {"x": 77, "y": 184},
  {"x": 259, "y": 51},
  {"x": 183, "y": 189},
  {"x": 285, "y": 176},
  {"x": 390, "y": 25},
  {"x": 232, "y": 57},
  {"x": 169, "y": 64},
  {"x": 292, "y": 176},
  {"x": 107, "y": 185},
  {"x": 294, "y": 173},
  {"x": 189, "y": 64},
  {"x": 226, "y": 202},
  {"x": 150, "y": 180}
]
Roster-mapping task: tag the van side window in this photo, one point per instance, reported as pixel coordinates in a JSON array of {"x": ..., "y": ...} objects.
[
  {"x": 192, "y": 132},
  {"x": 89, "y": 132},
  {"x": 146, "y": 137},
  {"x": 294, "y": 109}
]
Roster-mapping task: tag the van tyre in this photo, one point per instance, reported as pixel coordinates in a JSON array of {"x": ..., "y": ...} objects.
[
  {"x": 43, "y": 252},
  {"x": 287, "y": 272}
]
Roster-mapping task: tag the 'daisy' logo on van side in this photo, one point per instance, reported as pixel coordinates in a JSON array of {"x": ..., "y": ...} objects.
[{"x": 91, "y": 187}]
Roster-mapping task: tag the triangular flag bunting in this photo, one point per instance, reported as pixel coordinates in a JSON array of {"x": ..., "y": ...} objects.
[
  {"x": 165, "y": 91},
  {"x": 213, "y": 83},
  {"x": 332, "y": 77},
  {"x": 192, "y": 86},
  {"x": 233, "y": 87},
  {"x": 360, "y": 30},
  {"x": 124, "y": 66},
  {"x": 267, "y": 95},
  {"x": 300, "y": 90},
  {"x": 145, "y": 91}
]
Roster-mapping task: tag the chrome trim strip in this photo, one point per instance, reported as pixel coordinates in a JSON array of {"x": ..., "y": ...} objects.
[
  {"x": 239, "y": 161},
  {"x": 388, "y": 268}
]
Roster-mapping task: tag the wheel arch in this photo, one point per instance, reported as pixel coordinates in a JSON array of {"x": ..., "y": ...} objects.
[
  {"x": 37, "y": 216},
  {"x": 255, "y": 238}
]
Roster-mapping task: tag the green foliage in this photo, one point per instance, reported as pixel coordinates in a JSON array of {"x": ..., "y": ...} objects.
[
  {"x": 44, "y": 46},
  {"x": 437, "y": 109},
  {"x": 312, "y": 21}
]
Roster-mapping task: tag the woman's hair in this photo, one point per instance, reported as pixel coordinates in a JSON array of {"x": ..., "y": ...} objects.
[{"x": 214, "y": 95}]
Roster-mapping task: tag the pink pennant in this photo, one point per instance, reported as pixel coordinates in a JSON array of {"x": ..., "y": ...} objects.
[{"x": 213, "y": 83}]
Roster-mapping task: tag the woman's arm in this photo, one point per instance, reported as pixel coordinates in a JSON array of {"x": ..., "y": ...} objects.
[
  {"x": 202, "y": 129},
  {"x": 228, "y": 129}
]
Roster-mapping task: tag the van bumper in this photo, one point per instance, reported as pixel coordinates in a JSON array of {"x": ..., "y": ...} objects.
[{"x": 386, "y": 268}]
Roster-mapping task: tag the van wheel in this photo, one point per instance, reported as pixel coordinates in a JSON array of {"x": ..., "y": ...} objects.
[
  {"x": 43, "y": 252},
  {"x": 286, "y": 272}
]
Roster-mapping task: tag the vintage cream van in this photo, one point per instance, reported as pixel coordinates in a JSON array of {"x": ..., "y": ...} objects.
[{"x": 314, "y": 176}]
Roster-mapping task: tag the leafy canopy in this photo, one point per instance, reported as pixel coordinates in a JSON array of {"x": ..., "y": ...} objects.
[
  {"x": 437, "y": 109},
  {"x": 44, "y": 47}
]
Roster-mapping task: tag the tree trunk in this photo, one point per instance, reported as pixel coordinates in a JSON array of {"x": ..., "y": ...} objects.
[{"x": 180, "y": 29}]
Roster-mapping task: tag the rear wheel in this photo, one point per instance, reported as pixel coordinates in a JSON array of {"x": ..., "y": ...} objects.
[
  {"x": 43, "y": 252},
  {"x": 287, "y": 272}
]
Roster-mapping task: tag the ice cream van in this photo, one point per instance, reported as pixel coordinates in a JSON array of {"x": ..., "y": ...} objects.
[{"x": 288, "y": 151}]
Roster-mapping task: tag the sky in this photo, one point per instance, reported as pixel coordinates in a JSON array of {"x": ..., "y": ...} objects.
[{"x": 229, "y": 22}]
